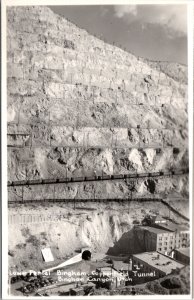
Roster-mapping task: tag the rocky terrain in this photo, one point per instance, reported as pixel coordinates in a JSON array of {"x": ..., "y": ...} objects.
[
  {"x": 78, "y": 106},
  {"x": 105, "y": 227}
]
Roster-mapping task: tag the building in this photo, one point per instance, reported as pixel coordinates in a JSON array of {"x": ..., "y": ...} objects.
[
  {"x": 181, "y": 234},
  {"x": 155, "y": 239},
  {"x": 121, "y": 266},
  {"x": 85, "y": 289},
  {"x": 79, "y": 291},
  {"x": 153, "y": 265},
  {"x": 116, "y": 278},
  {"x": 182, "y": 255},
  {"x": 163, "y": 238},
  {"x": 159, "y": 220}
]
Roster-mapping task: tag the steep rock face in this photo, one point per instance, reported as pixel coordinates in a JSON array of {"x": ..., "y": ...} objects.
[
  {"x": 105, "y": 227},
  {"x": 174, "y": 70},
  {"x": 77, "y": 105},
  {"x": 86, "y": 225}
]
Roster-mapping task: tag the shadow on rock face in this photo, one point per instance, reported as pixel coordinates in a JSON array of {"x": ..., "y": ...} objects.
[
  {"x": 151, "y": 185},
  {"x": 127, "y": 244}
]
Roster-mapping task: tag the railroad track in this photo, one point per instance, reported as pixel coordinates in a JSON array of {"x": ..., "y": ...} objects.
[
  {"x": 74, "y": 200},
  {"x": 98, "y": 178}
]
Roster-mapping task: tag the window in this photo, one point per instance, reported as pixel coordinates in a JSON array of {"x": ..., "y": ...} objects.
[
  {"x": 165, "y": 248},
  {"x": 159, "y": 249},
  {"x": 165, "y": 244}
]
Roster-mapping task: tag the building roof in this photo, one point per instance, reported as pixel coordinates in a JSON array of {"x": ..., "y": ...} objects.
[
  {"x": 185, "y": 251},
  {"x": 155, "y": 229},
  {"x": 77, "y": 289},
  {"x": 111, "y": 272},
  {"x": 173, "y": 227},
  {"x": 99, "y": 264},
  {"x": 120, "y": 265},
  {"x": 160, "y": 219},
  {"x": 159, "y": 261}
]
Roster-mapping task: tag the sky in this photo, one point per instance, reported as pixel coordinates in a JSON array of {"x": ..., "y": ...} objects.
[{"x": 156, "y": 32}]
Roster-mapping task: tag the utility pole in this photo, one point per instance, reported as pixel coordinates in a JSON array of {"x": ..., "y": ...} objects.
[
  {"x": 22, "y": 194},
  {"x": 131, "y": 186},
  {"x": 53, "y": 193},
  {"x": 74, "y": 204}
]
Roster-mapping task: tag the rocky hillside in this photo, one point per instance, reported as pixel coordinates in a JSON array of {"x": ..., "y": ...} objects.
[
  {"x": 106, "y": 228},
  {"x": 77, "y": 105},
  {"x": 174, "y": 70}
]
